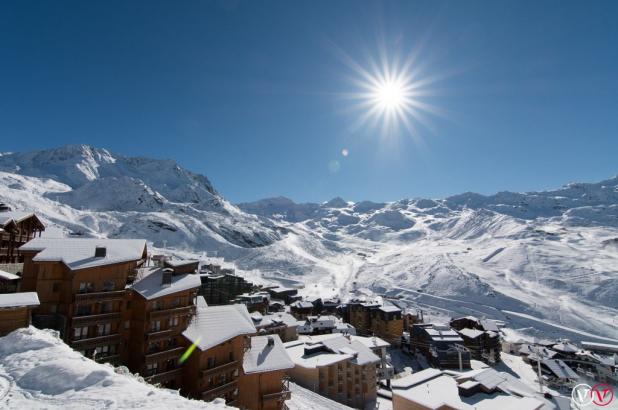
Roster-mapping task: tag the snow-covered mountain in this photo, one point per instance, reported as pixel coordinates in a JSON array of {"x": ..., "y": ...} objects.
[{"x": 545, "y": 262}]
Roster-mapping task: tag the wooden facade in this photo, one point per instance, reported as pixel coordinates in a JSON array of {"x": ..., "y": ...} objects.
[
  {"x": 375, "y": 320},
  {"x": 214, "y": 372},
  {"x": 15, "y": 230},
  {"x": 156, "y": 343},
  {"x": 88, "y": 306},
  {"x": 263, "y": 391}
]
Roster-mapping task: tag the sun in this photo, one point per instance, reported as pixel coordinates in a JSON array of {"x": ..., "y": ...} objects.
[{"x": 390, "y": 95}]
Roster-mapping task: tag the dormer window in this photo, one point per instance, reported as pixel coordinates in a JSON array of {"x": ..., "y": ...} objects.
[{"x": 100, "y": 252}]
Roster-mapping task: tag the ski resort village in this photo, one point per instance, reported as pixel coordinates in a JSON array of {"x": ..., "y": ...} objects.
[{"x": 123, "y": 322}]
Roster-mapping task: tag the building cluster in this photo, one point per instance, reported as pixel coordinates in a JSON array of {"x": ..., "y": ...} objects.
[
  {"x": 198, "y": 327},
  {"x": 563, "y": 363}
]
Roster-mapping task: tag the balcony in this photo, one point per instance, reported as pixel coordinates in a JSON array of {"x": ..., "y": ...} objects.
[
  {"x": 164, "y": 355},
  {"x": 173, "y": 311},
  {"x": 97, "y": 296},
  {"x": 165, "y": 376},
  {"x": 218, "y": 369},
  {"x": 83, "y": 344},
  {"x": 219, "y": 391},
  {"x": 161, "y": 334},
  {"x": 95, "y": 319}
]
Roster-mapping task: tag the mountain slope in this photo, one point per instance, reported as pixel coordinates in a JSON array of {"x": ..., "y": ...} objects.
[{"x": 548, "y": 255}]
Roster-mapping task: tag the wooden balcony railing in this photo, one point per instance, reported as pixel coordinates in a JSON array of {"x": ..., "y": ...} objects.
[
  {"x": 173, "y": 311},
  {"x": 95, "y": 319},
  {"x": 218, "y": 391},
  {"x": 161, "y": 334},
  {"x": 165, "y": 376},
  {"x": 221, "y": 368},
  {"x": 164, "y": 355},
  {"x": 96, "y": 296},
  {"x": 91, "y": 342}
]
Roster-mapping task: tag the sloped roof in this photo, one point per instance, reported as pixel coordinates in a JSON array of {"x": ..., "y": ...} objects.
[
  {"x": 8, "y": 276},
  {"x": 371, "y": 341},
  {"x": 266, "y": 320},
  {"x": 180, "y": 262},
  {"x": 560, "y": 369},
  {"x": 489, "y": 325},
  {"x": 263, "y": 357},
  {"x": 415, "y": 378},
  {"x": 19, "y": 299},
  {"x": 336, "y": 348},
  {"x": 214, "y": 325},
  {"x": 78, "y": 253},
  {"x": 8, "y": 216},
  {"x": 150, "y": 286},
  {"x": 471, "y": 333}
]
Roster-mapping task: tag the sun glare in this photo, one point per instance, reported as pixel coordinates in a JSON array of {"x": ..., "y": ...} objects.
[{"x": 391, "y": 93}]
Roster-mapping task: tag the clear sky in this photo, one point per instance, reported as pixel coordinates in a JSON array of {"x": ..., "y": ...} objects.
[{"x": 255, "y": 95}]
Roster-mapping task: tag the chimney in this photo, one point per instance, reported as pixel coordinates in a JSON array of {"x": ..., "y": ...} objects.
[
  {"x": 167, "y": 277},
  {"x": 100, "y": 252},
  {"x": 271, "y": 341}
]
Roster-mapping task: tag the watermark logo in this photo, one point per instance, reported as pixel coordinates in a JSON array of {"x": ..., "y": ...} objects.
[
  {"x": 600, "y": 395},
  {"x": 581, "y": 395}
]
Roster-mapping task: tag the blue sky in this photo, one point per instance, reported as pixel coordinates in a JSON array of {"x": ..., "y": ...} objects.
[{"x": 251, "y": 94}]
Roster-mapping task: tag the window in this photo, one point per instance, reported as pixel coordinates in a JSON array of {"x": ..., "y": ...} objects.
[
  {"x": 172, "y": 342},
  {"x": 211, "y": 362},
  {"x": 109, "y": 285},
  {"x": 84, "y": 310},
  {"x": 151, "y": 368},
  {"x": 104, "y": 329},
  {"x": 172, "y": 321},
  {"x": 155, "y": 326},
  {"x": 85, "y": 287},
  {"x": 80, "y": 333},
  {"x": 231, "y": 356},
  {"x": 127, "y": 324},
  {"x": 153, "y": 347},
  {"x": 106, "y": 307},
  {"x": 157, "y": 305},
  {"x": 176, "y": 302}
]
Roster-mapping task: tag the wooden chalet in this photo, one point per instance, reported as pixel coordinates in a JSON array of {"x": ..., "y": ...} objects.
[
  {"x": 17, "y": 228},
  {"x": 81, "y": 284}
]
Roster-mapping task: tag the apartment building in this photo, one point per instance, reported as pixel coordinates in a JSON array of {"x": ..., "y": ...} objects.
[
  {"x": 334, "y": 366},
  {"x": 161, "y": 304},
  {"x": 263, "y": 384},
  {"x": 15, "y": 310},
  {"x": 480, "y": 336},
  {"x": 82, "y": 288},
  {"x": 371, "y": 318},
  {"x": 442, "y": 346},
  {"x": 221, "y": 336}
]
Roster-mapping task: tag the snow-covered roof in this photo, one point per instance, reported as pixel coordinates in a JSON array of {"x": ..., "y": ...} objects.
[
  {"x": 560, "y": 369},
  {"x": 19, "y": 299},
  {"x": 415, "y": 378},
  {"x": 371, "y": 342},
  {"x": 335, "y": 348},
  {"x": 8, "y": 276},
  {"x": 301, "y": 304},
  {"x": 565, "y": 347},
  {"x": 471, "y": 333},
  {"x": 489, "y": 325},
  {"x": 267, "y": 320},
  {"x": 267, "y": 354},
  {"x": 151, "y": 287},
  {"x": 437, "y": 391},
  {"x": 389, "y": 308},
  {"x": 214, "y": 325},
  {"x": 78, "y": 253},
  {"x": 8, "y": 216},
  {"x": 201, "y": 302}
]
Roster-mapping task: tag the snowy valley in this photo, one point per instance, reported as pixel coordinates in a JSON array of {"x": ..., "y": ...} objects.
[{"x": 545, "y": 263}]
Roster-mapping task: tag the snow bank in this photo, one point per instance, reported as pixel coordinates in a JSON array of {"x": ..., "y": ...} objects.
[{"x": 39, "y": 371}]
